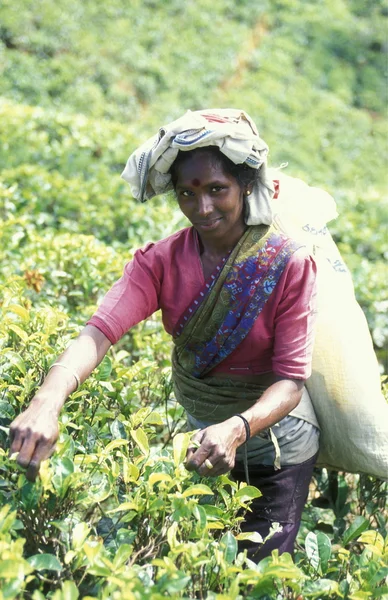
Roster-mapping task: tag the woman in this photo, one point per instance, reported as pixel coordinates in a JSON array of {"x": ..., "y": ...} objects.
[{"x": 237, "y": 297}]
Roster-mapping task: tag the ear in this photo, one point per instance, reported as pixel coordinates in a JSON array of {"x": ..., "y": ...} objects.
[{"x": 248, "y": 190}]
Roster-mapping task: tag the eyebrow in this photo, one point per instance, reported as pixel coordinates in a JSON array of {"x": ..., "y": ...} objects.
[{"x": 184, "y": 185}]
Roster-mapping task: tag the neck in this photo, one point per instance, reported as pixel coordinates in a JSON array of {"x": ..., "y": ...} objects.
[{"x": 219, "y": 248}]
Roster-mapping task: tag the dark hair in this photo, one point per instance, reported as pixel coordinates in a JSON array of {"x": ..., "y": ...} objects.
[{"x": 244, "y": 175}]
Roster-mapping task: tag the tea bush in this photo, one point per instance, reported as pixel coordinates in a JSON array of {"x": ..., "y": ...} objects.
[{"x": 115, "y": 515}]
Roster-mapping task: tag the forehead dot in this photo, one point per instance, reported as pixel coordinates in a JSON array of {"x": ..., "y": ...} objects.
[{"x": 195, "y": 182}]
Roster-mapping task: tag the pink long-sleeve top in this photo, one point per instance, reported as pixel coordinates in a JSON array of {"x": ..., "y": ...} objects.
[{"x": 168, "y": 275}]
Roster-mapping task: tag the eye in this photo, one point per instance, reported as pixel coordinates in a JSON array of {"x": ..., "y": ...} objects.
[
  {"x": 186, "y": 193},
  {"x": 217, "y": 188}
]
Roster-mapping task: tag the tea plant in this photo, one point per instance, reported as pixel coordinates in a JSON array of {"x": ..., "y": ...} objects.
[{"x": 114, "y": 514}]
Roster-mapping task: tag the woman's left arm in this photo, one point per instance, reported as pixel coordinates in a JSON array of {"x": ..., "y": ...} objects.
[{"x": 218, "y": 443}]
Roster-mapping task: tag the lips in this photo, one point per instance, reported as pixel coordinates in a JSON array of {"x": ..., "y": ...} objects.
[{"x": 208, "y": 224}]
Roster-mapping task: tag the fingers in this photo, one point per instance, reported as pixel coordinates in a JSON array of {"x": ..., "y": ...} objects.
[
  {"x": 16, "y": 441},
  {"x": 196, "y": 457},
  {"x": 209, "y": 467},
  {"x": 32, "y": 472},
  {"x": 195, "y": 444},
  {"x": 32, "y": 446},
  {"x": 41, "y": 453},
  {"x": 207, "y": 459},
  {"x": 32, "y": 453},
  {"x": 213, "y": 466},
  {"x": 218, "y": 470}
]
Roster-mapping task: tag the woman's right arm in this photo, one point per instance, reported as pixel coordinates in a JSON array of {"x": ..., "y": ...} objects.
[
  {"x": 133, "y": 298},
  {"x": 34, "y": 432}
]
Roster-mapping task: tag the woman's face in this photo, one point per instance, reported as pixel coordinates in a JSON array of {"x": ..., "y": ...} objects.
[{"x": 210, "y": 198}]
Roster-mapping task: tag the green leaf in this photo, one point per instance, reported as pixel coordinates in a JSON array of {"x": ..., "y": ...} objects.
[
  {"x": 69, "y": 591},
  {"x": 379, "y": 577},
  {"x": 20, "y": 311},
  {"x": 173, "y": 583},
  {"x": 16, "y": 361},
  {"x": 199, "y": 489},
  {"x": 117, "y": 430},
  {"x": 215, "y": 525},
  {"x": 249, "y": 492},
  {"x": 6, "y": 410},
  {"x": 171, "y": 535},
  {"x": 154, "y": 418},
  {"x": 318, "y": 550},
  {"x": 359, "y": 525},
  {"x": 14, "y": 568},
  {"x": 341, "y": 506},
  {"x": 45, "y": 562},
  {"x": 121, "y": 354},
  {"x": 316, "y": 589},
  {"x": 180, "y": 444},
  {"x": 114, "y": 444},
  {"x": 229, "y": 542},
  {"x": 62, "y": 466},
  {"x": 200, "y": 514},
  {"x": 122, "y": 555},
  {"x": 7, "y": 518},
  {"x": 141, "y": 440},
  {"x": 30, "y": 496},
  {"x": 19, "y": 332},
  {"x": 252, "y": 536},
  {"x": 104, "y": 369},
  {"x": 157, "y": 477},
  {"x": 373, "y": 540},
  {"x": 124, "y": 507},
  {"x": 276, "y": 570},
  {"x": 100, "y": 491},
  {"x": 79, "y": 535}
]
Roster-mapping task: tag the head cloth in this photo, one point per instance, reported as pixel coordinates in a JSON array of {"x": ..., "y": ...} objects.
[{"x": 235, "y": 134}]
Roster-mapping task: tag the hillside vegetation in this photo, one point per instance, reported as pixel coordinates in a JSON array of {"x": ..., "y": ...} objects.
[{"x": 115, "y": 514}]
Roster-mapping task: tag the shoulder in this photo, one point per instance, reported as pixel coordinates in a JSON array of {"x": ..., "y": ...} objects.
[
  {"x": 301, "y": 267},
  {"x": 295, "y": 254},
  {"x": 178, "y": 244},
  {"x": 301, "y": 256},
  {"x": 172, "y": 243},
  {"x": 298, "y": 252}
]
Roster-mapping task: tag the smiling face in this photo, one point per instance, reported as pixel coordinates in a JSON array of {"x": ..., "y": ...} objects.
[{"x": 210, "y": 198}]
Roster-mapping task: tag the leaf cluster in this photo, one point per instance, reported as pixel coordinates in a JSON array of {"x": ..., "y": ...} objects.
[{"x": 115, "y": 515}]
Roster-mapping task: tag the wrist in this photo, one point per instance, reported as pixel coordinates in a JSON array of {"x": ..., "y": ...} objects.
[
  {"x": 50, "y": 403},
  {"x": 59, "y": 383},
  {"x": 239, "y": 429}
]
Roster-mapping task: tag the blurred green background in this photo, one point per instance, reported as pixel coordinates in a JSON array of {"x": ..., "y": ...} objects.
[{"x": 83, "y": 83}]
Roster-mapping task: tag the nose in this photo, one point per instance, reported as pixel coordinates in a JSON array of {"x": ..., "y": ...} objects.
[{"x": 205, "y": 205}]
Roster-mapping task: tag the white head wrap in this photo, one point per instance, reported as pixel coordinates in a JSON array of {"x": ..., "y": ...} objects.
[{"x": 235, "y": 134}]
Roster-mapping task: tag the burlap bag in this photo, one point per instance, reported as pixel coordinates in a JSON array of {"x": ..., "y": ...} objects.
[{"x": 345, "y": 384}]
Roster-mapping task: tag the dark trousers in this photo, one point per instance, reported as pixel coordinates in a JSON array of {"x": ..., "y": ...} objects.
[{"x": 284, "y": 494}]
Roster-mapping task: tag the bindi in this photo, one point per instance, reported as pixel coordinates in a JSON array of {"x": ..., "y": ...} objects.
[{"x": 195, "y": 182}]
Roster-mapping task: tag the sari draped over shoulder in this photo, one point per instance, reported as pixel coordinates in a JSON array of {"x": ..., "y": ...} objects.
[{"x": 220, "y": 318}]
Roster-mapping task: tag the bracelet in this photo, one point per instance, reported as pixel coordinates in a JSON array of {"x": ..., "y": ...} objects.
[
  {"x": 247, "y": 427},
  {"x": 76, "y": 377}
]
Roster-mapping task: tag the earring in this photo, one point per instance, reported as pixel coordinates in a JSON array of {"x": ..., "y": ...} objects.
[{"x": 248, "y": 193}]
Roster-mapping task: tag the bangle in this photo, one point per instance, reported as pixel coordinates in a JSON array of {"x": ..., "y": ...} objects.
[
  {"x": 247, "y": 427},
  {"x": 75, "y": 375}
]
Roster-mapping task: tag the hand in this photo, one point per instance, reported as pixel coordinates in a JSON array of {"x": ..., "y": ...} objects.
[
  {"x": 217, "y": 444},
  {"x": 34, "y": 434}
]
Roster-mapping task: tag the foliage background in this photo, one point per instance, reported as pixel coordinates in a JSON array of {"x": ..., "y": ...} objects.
[{"x": 82, "y": 85}]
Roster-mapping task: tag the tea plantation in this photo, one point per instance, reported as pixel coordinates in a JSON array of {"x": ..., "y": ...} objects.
[{"x": 114, "y": 514}]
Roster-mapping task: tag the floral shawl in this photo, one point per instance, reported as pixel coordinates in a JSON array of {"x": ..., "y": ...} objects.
[{"x": 220, "y": 318}]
